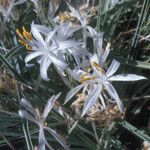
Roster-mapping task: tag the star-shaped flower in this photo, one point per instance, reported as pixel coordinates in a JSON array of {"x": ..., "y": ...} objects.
[
  {"x": 33, "y": 115},
  {"x": 94, "y": 83}
]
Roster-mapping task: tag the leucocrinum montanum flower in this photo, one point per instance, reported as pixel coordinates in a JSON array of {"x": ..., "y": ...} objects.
[
  {"x": 50, "y": 46},
  {"x": 33, "y": 115},
  {"x": 93, "y": 84}
]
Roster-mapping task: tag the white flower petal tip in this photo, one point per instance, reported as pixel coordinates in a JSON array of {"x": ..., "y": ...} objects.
[
  {"x": 72, "y": 93},
  {"x": 50, "y": 104},
  {"x": 21, "y": 114},
  {"x": 91, "y": 99},
  {"x": 126, "y": 77}
]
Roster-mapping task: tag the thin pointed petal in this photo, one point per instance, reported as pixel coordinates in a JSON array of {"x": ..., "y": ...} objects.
[
  {"x": 50, "y": 104},
  {"x": 105, "y": 54},
  {"x": 58, "y": 63},
  {"x": 32, "y": 56},
  {"x": 72, "y": 92},
  {"x": 45, "y": 63},
  {"x": 91, "y": 99},
  {"x": 126, "y": 77},
  {"x": 113, "y": 68},
  {"x": 68, "y": 44},
  {"x": 58, "y": 138},
  {"x": 113, "y": 93},
  {"x": 24, "y": 114},
  {"x": 37, "y": 34},
  {"x": 27, "y": 106},
  {"x": 41, "y": 144}
]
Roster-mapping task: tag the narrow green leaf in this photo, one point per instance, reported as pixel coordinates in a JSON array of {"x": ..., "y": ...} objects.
[{"x": 135, "y": 131}]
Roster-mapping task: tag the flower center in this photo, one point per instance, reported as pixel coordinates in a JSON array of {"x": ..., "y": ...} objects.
[
  {"x": 24, "y": 36},
  {"x": 85, "y": 77}
]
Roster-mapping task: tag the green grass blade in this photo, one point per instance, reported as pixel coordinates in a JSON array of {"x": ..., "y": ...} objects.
[{"x": 135, "y": 131}]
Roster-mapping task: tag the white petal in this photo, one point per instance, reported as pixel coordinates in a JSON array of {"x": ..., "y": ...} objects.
[
  {"x": 76, "y": 73},
  {"x": 58, "y": 138},
  {"x": 72, "y": 92},
  {"x": 58, "y": 63},
  {"x": 105, "y": 54},
  {"x": 91, "y": 99},
  {"x": 102, "y": 101},
  {"x": 32, "y": 55},
  {"x": 37, "y": 34},
  {"x": 113, "y": 94},
  {"x": 45, "y": 63},
  {"x": 27, "y": 106},
  {"x": 42, "y": 141},
  {"x": 126, "y": 77},
  {"x": 50, "y": 35},
  {"x": 97, "y": 39},
  {"x": 113, "y": 68},
  {"x": 44, "y": 30},
  {"x": 94, "y": 58},
  {"x": 68, "y": 44},
  {"x": 50, "y": 104},
  {"x": 24, "y": 114},
  {"x": 71, "y": 30}
]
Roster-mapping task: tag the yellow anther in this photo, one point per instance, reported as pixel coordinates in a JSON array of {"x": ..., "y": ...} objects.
[
  {"x": 28, "y": 47},
  {"x": 25, "y": 44},
  {"x": 26, "y": 34},
  {"x": 87, "y": 79},
  {"x": 24, "y": 37},
  {"x": 83, "y": 76},
  {"x": 19, "y": 33},
  {"x": 99, "y": 68},
  {"x": 22, "y": 42}
]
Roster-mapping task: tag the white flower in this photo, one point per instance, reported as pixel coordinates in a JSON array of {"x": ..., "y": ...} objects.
[
  {"x": 94, "y": 83},
  {"x": 33, "y": 115},
  {"x": 83, "y": 15},
  {"x": 50, "y": 46},
  {"x": 6, "y": 8},
  {"x": 43, "y": 48}
]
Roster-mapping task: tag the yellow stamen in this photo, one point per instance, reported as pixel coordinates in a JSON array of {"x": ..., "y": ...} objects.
[
  {"x": 19, "y": 33},
  {"x": 99, "y": 68},
  {"x": 28, "y": 47},
  {"x": 25, "y": 44},
  {"x": 22, "y": 42},
  {"x": 26, "y": 34},
  {"x": 87, "y": 79},
  {"x": 84, "y": 78}
]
